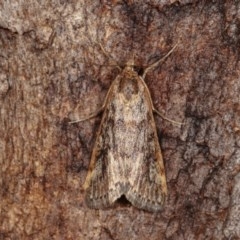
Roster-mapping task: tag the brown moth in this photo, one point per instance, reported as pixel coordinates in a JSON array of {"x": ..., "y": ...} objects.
[{"x": 126, "y": 158}]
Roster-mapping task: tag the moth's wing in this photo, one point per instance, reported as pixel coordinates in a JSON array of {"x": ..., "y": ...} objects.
[
  {"x": 127, "y": 159},
  {"x": 147, "y": 188},
  {"x": 105, "y": 183}
]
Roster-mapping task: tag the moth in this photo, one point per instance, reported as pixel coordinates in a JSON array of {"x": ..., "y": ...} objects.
[{"x": 126, "y": 158}]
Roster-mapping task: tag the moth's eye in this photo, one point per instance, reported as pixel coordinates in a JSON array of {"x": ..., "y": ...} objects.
[
  {"x": 140, "y": 70},
  {"x": 135, "y": 68}
]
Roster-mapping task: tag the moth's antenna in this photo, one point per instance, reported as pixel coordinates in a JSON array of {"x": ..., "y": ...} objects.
[
  {"x": 109, "y": 56},
  {"x": 157, "y": 62}
]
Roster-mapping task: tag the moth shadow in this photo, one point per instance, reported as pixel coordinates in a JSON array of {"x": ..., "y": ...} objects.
[{"x": 122, "y": 201}]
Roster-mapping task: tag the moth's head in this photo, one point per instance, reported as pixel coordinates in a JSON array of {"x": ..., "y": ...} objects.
[
  {"x": 130, "y": 64},
  {"x": 129, "y": 85}
]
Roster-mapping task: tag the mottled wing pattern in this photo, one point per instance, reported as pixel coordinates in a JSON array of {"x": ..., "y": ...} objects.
[
  {"x": 104, "y": 182},
  {"x": 127, "y": 159},
  {"x": 147, "y": 183}
]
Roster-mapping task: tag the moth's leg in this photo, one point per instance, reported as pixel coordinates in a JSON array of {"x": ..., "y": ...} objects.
[
  {"x": 165, "y": 118},
  {"x": 144, "y": 75},
  {"x": 90, "y": 116},
  {"x": 157, "y": 62},
  {"x": 95, "y": 113},
  {"x": 105, "y": 101},
  {"x": 156, "y": 111},
  {"x": 98, "y": 111}
]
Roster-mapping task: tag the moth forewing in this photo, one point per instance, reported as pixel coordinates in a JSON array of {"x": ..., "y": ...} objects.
[
  {"x": 98, "y": 183},
  {"x": 126, "y": 159}
]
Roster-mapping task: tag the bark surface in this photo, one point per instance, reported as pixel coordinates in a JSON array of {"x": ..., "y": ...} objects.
[{"x": 52, "y": 70}]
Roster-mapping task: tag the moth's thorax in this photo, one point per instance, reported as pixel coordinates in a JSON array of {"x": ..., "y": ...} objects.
[{"x": 128, "y": 85}]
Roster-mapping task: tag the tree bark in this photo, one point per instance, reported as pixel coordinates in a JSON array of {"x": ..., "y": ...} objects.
[{"x": 52, "y": 71}]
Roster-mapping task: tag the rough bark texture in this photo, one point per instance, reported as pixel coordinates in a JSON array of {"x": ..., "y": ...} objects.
[{"x": 52, "y": 70}]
